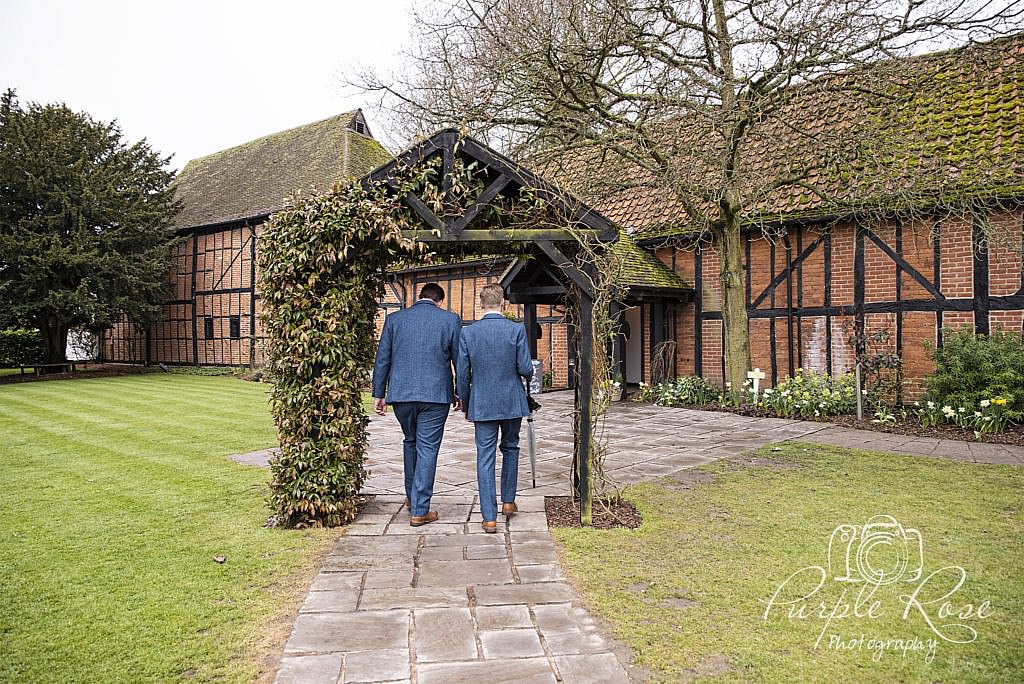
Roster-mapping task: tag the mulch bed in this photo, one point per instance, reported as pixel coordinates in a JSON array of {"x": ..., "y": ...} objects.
[
  {"x": 564, "y": 511},
  {"x": 93, "y": 371},
  {"x": 1013, "y": 434}
]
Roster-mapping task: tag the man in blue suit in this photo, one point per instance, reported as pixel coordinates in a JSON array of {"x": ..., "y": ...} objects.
[
  {"x": 492, "y": 362},
  {"x": 413, "y": 373}
]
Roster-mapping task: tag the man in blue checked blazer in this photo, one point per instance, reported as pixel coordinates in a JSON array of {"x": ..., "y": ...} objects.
[
  {"x": 492, "y": 362},
  {"x": 413, "y": 373}
]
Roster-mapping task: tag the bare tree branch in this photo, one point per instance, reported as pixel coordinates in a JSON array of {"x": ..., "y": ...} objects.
[{"x": 710, "y": 105}]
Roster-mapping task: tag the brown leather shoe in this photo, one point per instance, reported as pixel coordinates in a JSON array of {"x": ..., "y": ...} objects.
[
  {"x": 417, "y": 520},
  {"x": 507, "y": 509},
  {"x": 407, "y": 504},
  {"x": 490, "y": 526}
]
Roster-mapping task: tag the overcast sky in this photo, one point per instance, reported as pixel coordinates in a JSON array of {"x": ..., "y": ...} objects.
[{"x": 197, "y": 76}]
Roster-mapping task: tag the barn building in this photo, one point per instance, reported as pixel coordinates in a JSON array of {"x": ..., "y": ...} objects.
[
  {"x": 950, "y": 258},
  {"x": 212, "y": 314}
]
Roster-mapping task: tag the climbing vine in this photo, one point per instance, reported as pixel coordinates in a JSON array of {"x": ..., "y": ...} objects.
[
  {"x": 602, "y": 268},
  {"x": 323, "y": 263}
]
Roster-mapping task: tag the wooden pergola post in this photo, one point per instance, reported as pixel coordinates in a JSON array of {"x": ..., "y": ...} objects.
[
  {"x": 530, "y": 321},
  {"x": 584, "y": 392}
]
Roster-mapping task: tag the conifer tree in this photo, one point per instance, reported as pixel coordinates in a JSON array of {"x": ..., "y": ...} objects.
[{"x": 85, "y": 222}]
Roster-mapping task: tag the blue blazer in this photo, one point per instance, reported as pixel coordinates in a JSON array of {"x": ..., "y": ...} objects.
[
  {"x": 493, "y": 358},
  {"x": 415, "y": 355}
]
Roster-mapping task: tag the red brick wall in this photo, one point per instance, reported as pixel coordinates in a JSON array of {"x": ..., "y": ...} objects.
[
  {"x": 219, "y": 288},
  {"x": 820, "y": 341}
]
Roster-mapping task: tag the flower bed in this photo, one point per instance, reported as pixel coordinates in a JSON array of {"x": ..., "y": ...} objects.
[{"x": 812, "y": 396}]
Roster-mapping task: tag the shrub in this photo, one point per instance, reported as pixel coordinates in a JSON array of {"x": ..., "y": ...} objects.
[
  {"x": 971, "y": 369},
  {"x": 881, "y": 366},
  {"x": 323, "y": 264},
  {"x": 929, "y": 413},
  {"x": 21, "y": 348},
  {"x": 646, "y": 392},
  {"x": 808, "y": 394}
]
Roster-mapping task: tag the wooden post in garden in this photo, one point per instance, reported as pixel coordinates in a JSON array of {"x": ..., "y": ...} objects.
[
  {"x": 584, "y": 393},
  {"x": 530, "y": 322},
  {"x": 618, "y": 350}
]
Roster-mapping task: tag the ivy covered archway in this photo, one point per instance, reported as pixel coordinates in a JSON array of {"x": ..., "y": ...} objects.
[{"x": 323, "y": 264}]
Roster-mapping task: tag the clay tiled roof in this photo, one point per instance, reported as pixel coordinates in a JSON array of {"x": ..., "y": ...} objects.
[
  {"x": 956, "y": 131},
  {"x": 253, "y": 179}
]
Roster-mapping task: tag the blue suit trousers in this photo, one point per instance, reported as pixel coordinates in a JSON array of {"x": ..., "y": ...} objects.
[
  {"x": 423, "y": 426},
  {"x": 486, "y": 443}
]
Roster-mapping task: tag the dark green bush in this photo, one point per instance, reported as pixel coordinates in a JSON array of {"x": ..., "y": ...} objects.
[
  {"x": 973, "y": 368},
  {"x": 21, "y": 347}
]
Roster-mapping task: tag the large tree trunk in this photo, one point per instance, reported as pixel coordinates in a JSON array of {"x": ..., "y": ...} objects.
[
  {"x": 734, "y": 305},
  {"x": 55, "y": 337}
]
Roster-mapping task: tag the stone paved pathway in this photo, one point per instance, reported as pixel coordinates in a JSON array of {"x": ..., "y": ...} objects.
[{"x": 447, "y": 603}]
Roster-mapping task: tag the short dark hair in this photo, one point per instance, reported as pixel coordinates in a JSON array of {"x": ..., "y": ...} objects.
[{"x": 432, "y": 291}]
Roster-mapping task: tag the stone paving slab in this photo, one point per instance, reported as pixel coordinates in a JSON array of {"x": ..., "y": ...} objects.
[
  {"x": 322, "y": 633},
  {"x": 519, "y": 670},
  {"x": 387, "y": 665},
  {"x": 447, "y": 603},
  {"x": 310, "y": 669},
  {"x": 445, "y": 634}
]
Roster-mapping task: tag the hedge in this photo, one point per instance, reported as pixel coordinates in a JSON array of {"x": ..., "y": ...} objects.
[{"x": 21, "y": 348}]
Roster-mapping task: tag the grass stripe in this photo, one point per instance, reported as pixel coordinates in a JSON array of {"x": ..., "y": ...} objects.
[{"x": 117, "y": 495}]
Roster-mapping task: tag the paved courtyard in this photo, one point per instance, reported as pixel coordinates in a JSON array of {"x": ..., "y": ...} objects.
[
  {"x": 644, "y": 441},
  {"x": 447, "y": 603}
]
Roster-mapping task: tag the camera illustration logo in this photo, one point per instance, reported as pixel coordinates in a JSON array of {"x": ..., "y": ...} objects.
[{"x": 879, "y": 552}]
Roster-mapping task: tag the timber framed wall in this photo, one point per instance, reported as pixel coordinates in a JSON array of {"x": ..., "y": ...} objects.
[
  {"x": 911, "y": 278},
  {"x": 211, "y": 316}
]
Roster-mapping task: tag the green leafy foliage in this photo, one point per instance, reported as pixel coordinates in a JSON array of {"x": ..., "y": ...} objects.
[
  {"x": 323, "y": 263},
  {"x": 808, "y": 394},
  {"x": 973, "y": 371},
  {"x": 85, "y": 223},
  {"x": 805, "y": 395},
  {"x": 685, "y": 391},
  {"x": 20, "y": 347}
]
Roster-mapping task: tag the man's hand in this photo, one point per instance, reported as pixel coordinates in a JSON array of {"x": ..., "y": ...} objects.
[
  {"x": 457, "y": 404},
  {"x": 380, "y": 407}
]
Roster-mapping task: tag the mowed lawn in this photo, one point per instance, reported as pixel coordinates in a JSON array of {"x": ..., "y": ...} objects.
[
  {"x": 689, "y": 590},
  {"x": 116, "y": 498}
]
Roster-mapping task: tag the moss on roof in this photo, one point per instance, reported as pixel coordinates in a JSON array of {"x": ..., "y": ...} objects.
[
  {"x": 641, "y": 269},
  {"x": 952, "y": 133},
  {"x": 254, "y": 178}
]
